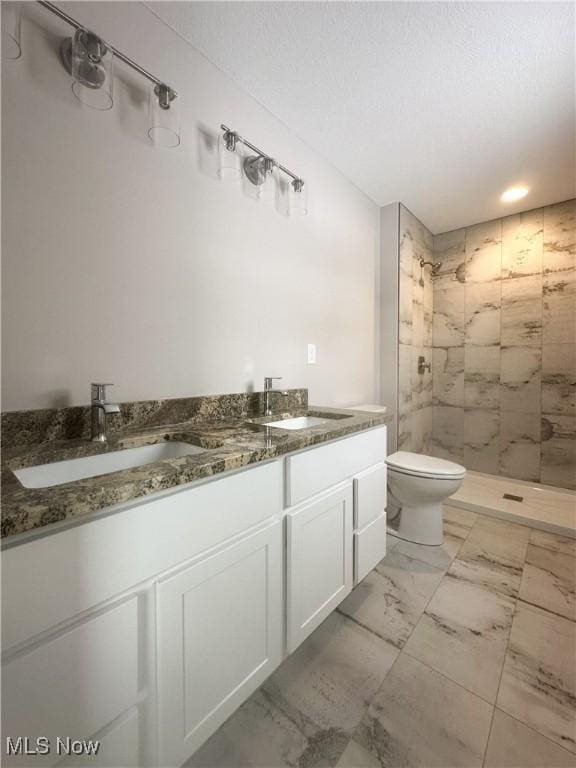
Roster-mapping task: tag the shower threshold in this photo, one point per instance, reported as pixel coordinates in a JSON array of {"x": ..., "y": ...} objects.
[{"x": 541, "y": 506}]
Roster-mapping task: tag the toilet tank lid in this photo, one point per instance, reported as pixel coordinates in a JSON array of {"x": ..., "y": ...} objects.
[
  {"x": 370, "y": 407},
  {"x": 429, "y": 465}
]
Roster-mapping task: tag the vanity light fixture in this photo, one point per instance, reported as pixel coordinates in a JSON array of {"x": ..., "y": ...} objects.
[
  {"x": 261, "y": 170},
  {"x": 11, "y": 23},
  {"x": 90, "y": 62},
  {"x": 230, "y": 161},
  {"x": 513, "y": 194}
]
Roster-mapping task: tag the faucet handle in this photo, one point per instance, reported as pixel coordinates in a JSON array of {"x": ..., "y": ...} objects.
[
  {"x": 99, "y": 390},
  {"x": 268, "y": 381}
]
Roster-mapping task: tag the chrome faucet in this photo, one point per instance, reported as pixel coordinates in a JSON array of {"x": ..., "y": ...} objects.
[
  {"x": 99, "y": 408},
  {"x": 269, "y": 390}
]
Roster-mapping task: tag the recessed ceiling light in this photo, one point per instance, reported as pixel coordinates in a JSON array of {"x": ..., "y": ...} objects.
[{"x": 513, "y": 194}]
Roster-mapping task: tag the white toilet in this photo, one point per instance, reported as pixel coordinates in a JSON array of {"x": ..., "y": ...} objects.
[{"x": 417, "y": 486}]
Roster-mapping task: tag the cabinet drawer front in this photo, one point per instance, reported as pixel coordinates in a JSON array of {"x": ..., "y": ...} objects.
[
  {"x": 74, "y": 684},
  {"x": 119, "y": 746},
  {"x": 369, "y": 495},
  {"x": 108, "y": 555},
  {"x": 369, "y": 547},
  {"x": 319, "y": 557},
  {"x": 317, "y": 469},
  {"x": 219, "y": 637}
]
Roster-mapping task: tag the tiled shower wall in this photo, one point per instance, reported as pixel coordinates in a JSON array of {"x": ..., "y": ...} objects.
[
  {"x": 504, "y": 358},
  {"x": 415, "y": 335}
]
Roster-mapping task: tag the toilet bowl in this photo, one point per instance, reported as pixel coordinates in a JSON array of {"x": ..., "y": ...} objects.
[{"x": 417, "y": 486}]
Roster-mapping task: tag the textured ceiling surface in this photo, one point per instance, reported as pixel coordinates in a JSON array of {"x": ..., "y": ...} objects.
[{"x": 439, "y": 105}]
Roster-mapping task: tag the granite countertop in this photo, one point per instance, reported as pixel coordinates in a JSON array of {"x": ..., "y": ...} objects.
[{"x": 229, "y": 443}]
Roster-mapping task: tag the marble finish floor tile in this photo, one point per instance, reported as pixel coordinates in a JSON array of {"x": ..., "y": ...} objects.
[
  {"x": 333, "y": 676},
  {"x": 514, "y": 745},
  {"x": 420, "y": 718},
  {"x": 258, "y": 735},
  {"x": 553, "y": 542},
  {"x": 439, "y": 556},
  {"x": 503, "y": 528},
  {"x": 464, "y": 633},
  {"x": 538, "y": 684},
  {"x": 549, "y": 581},
  {"x": 457, "y": 521},
  {"x": 491, "y": 561},
  {"x": 390, "y": 600}
]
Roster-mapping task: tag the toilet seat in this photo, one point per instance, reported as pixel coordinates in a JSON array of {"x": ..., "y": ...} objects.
[{"x": 418, "y": 465}]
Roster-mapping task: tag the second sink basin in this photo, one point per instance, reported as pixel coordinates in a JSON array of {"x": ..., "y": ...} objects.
[
  {"x": 59, "y": 472},
  {"x": 300, "y": 422}
]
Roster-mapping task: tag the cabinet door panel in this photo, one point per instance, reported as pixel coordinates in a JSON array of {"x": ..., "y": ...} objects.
[
  {"x": 369, "y": 495},
  {"x": 319, "y": 556},
  {"x": 219, "y": 637},
  {"x": 74, "y": 683},
  {"x": 369, "y": 547}
]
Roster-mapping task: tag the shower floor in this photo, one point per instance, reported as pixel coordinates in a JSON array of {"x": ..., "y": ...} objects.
[{"x": 550, "y": 509}]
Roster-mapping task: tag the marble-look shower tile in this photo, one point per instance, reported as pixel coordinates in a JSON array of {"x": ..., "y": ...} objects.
[
  {"x": 553, "y": 542},
  {"x": 482, "y": 440},
  {"x": 538, "y": 685},
  {"x": 522, "y": 244},
  {"x": 549, "y": 581},
  {"x": 390, "y": 600},
  {"x": 448, "y": 330},
  {"x": 421, "y": 382},
  {"x": 405, "y": 300},
  {"x": 522, "y": 311},
  {"x": 419, "y": 718},
  {"x": 520, "y": 445},
  {"x": 520, "y": 384},
  {"x": 422, "y": 424},
  {"x": 482, "y": 297},
  {"x": 405, "y": 432},
  {"x": 332, "y": 676},
  {"x": 559, "y": 308},
  {"x": 482, "y": 377},
  {"x": 450, "y": 251},
  {"x": 484, "y": 252},
  {"x": 404, "y": 378},
  {"x": 448, "y": 376},
  {"x": 558, "y": 450},
  {"x": 513, "y": 745},
  {"x": 463, "y": 634},
  {"x": 448, "y": 432},
  {"x": 483, "y": 328},
  {"x": 449, "y": 301},
  {"x": 559, "y": 237},
  {"x": 559, "y": 378},
  {"x": 491, "y": 561}
]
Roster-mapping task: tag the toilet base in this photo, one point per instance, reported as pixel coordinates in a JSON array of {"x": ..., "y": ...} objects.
[{"x": 420, "y": 524}]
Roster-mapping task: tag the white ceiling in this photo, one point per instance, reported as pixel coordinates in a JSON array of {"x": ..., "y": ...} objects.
[{"x": 439, "y": 105}]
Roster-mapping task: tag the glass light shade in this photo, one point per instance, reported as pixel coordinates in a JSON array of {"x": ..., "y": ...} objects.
[
  {"x": 11, "y": 22},
  {"x": 229, "y": 156},
  {"x": 267, "y": 189},
  {"x": 92, "y": 65},
  {"x": 298, "y": 198},
  {"x": 164, "y": 117}
]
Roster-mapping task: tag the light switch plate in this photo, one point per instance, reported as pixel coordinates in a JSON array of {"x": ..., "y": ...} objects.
[{"x": 311, "y": 354}]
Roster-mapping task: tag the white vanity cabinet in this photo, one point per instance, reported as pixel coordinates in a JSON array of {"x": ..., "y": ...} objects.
[
  {"x": 319, "y": 560},
  {"x": 335, "y": 498},
  {"x": 219, "y": 635},
  {"x": 145, "y": 627}
]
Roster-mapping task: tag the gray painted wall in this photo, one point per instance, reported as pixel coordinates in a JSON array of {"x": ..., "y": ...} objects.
[{"x": 136, "y": 265}]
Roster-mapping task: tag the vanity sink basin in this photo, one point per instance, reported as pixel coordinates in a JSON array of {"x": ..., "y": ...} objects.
[
  {"x": 300, "y": 422},
  {"x": 59, "y": 472}
]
